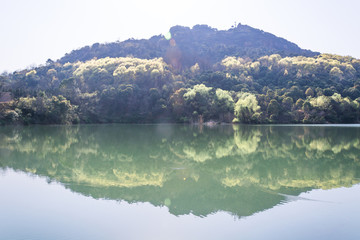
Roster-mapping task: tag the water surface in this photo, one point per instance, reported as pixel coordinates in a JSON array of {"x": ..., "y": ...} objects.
[{"x": 179, "y": 182}]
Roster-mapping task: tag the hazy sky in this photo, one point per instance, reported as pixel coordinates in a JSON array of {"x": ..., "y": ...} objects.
[{"x": 34, "y": 30}]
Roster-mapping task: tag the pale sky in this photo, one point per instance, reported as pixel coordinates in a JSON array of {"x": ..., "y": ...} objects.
[{"x": 34, "y": 30}]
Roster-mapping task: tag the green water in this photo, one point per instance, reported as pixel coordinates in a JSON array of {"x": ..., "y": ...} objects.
[{"x": 217, "y": 174}]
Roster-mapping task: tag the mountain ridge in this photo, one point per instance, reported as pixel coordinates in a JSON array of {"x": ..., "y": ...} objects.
[{"x": 200, "y": 44}]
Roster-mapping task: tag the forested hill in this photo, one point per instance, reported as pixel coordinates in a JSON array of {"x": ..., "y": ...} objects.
[
  {"x": 201, "y": 44},
  {"x": 240, "y": 75}
]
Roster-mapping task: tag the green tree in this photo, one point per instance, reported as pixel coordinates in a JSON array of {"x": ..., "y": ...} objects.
[
  {"x": 224, "y": 105},
  {"x": 309, "y": 92},
  {"x": 273, "y": 110},
  {"x": 246, "y": 107},
  {"x": 198, "y": 100}
]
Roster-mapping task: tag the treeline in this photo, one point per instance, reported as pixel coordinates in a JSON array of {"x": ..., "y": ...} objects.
[{"x": 270, "y": 89}]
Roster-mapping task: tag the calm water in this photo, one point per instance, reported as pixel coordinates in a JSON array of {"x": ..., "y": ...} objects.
[{"x": 179, "y": 182}]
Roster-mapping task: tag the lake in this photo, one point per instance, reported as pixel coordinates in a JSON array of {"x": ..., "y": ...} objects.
[{"x": 180, "y": 182}]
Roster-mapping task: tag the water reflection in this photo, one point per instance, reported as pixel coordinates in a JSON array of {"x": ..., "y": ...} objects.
[{"x": 237, "y": 169}]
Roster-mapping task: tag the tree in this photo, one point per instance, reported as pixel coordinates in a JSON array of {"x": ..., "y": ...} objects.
[
  {"x": 198, "y": 100},
  {"x": 224, "y": 105},
  {"x": 287, "y": 103},
  {"x": 273, "y": 110},
  {"x": 309, "y": 92},
  {"x": 336, "y": 73},
  {"x": 246, "y": 107},
  {"x": 178, "y": 105}
]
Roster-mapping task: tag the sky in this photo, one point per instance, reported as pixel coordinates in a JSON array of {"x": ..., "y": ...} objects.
[{"x": 33, "y": 31}]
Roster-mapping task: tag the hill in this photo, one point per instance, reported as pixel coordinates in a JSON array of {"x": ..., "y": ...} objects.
[
  {"x": 201, "y": 44},
  {"x": 190, "y": 75}
]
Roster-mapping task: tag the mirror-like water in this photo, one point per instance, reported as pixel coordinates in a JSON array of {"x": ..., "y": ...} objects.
[{"x": 179, "y": 182}]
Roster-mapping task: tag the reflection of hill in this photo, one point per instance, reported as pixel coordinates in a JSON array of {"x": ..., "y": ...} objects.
[{"x": 238, "y": 169}]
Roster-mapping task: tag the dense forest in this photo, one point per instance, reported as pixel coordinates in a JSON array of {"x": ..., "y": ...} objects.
[{"x": 193, "y": 75}]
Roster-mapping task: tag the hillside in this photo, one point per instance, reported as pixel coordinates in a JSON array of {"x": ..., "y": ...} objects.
[
  {"x": 201, "y": 44},
  {"x": 196, "y": 75}
]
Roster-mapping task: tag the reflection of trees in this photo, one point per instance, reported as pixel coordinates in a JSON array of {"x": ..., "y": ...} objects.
[
  {"x": 289, "y": 158},
  {"x": 230, "y": 168},
  {"x": 247, "y": 141}
]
